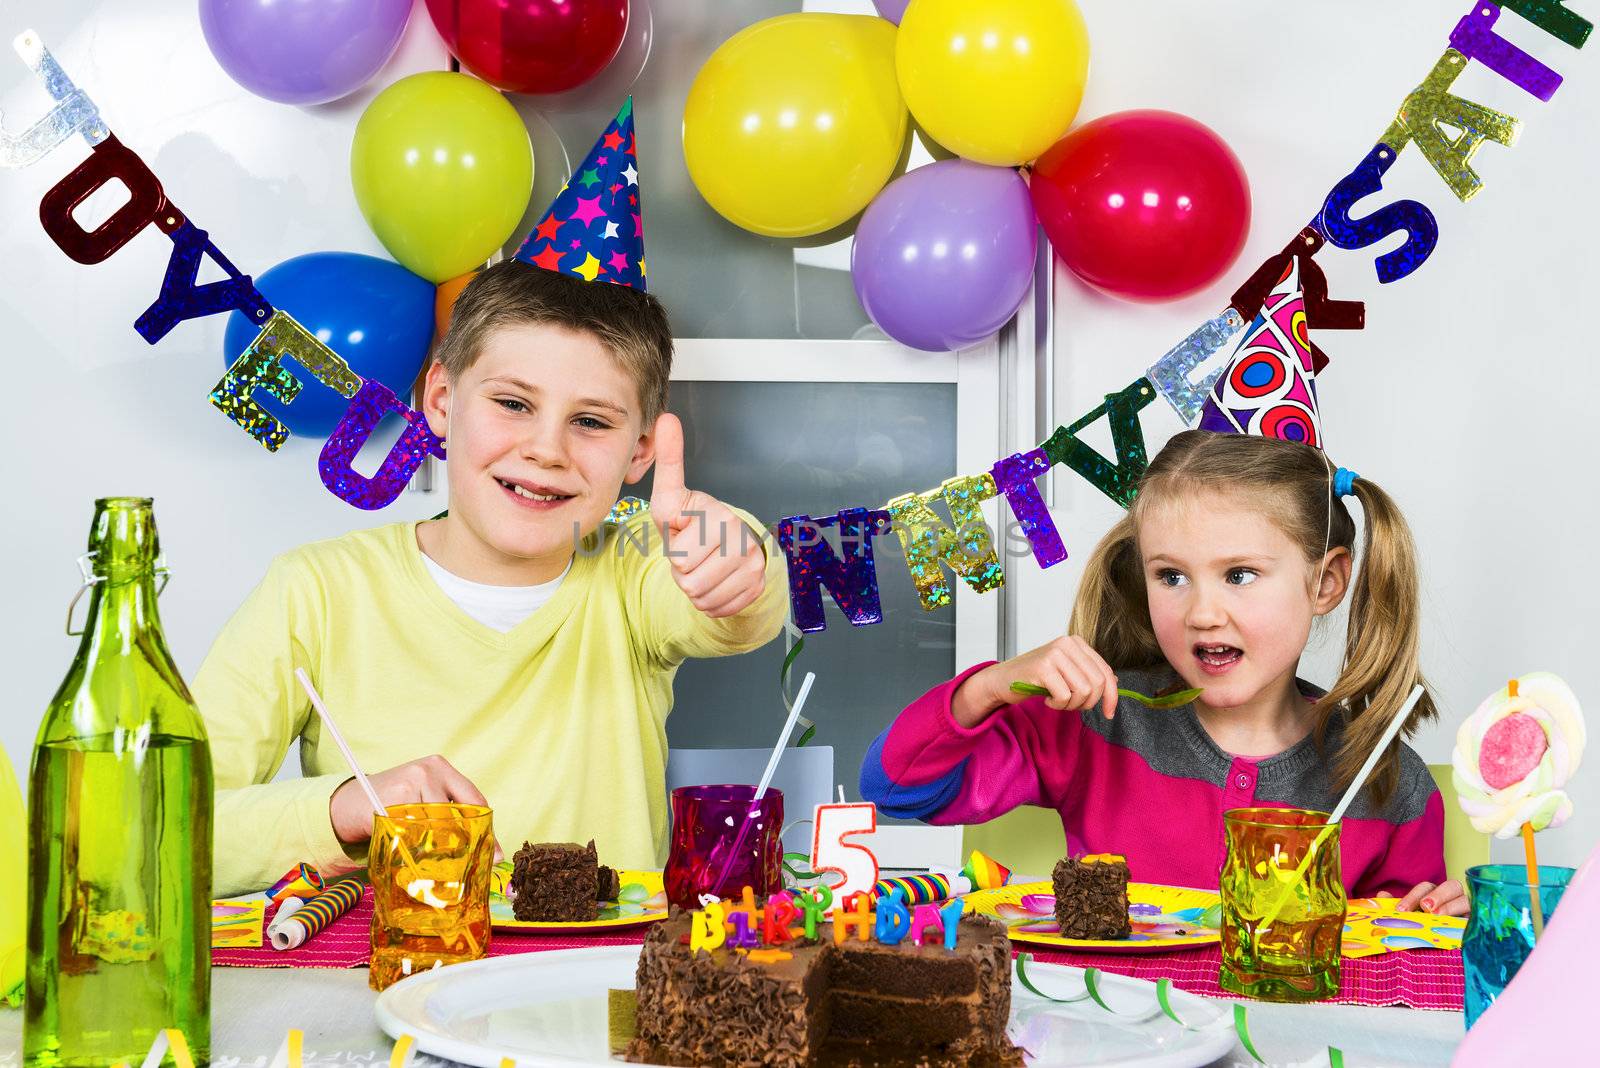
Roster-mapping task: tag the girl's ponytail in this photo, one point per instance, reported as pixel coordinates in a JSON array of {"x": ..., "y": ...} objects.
[
  {"x": 1382, "y": 648},
  {"x": 1112, "y": 612}
]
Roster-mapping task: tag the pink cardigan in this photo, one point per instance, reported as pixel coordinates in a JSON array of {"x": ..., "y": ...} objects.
[{"x": 1148, "y": 784}]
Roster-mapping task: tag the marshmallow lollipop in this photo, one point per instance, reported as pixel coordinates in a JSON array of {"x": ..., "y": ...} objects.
[{"x": 1515, "y": 755}]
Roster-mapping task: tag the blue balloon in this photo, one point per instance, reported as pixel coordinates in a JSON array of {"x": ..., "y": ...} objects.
[{"x": 373, "y": 312}]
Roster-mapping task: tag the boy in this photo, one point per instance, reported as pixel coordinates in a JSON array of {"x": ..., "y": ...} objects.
[{"x": 519, "y": 634}]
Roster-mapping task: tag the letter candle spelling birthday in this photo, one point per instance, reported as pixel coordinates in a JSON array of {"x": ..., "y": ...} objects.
[{"x": 746, "y": 929}]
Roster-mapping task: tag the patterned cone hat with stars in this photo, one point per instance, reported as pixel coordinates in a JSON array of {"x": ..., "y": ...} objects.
[{"x": 593, "y": 228}]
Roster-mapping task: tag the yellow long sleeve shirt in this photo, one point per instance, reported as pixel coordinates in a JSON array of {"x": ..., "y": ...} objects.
[{"x": 561, "y": 721}]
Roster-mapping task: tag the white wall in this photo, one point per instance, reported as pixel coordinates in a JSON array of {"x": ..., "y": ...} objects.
[
  {"x": 1462, "y": 397},
  {"x": 94, "y": 411},
  {"x": 1465, "y": 396}
]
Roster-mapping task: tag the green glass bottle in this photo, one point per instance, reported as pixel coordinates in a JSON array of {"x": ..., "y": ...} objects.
[{"x": 119, "y": 828}]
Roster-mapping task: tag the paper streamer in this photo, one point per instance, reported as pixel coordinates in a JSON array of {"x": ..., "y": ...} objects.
[
  {"x": 73, "y": 112},
  {"x": 1120, "y": 480},
  {"x": 339, "y": 898},
  {"x": 169, "y": 1039},
  {"x": 1431, "y": 105},
  {"x": 302, "y": 880},
  {"x": 796, "y": 640},
  {"x": 1411, "y": 216},
  {"x": 929, "y": 542},
  {"x": 289, "y": 1053},
  {"x": 813, "y": 566},
  {"x": 237, "y": 924},
  {"x": 1162, "y": 1007}
]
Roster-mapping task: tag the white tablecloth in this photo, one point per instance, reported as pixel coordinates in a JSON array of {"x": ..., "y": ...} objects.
[{"x": 253, "y": 1007}]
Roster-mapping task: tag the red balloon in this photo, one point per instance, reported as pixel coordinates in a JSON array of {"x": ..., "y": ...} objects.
[
  {"x": 532, "y": 46},
  {"x": 1144, "y": 205}
]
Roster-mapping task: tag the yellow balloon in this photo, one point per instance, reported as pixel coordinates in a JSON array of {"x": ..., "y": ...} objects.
[
  {"x": 795, "y": 123},
  {"x": 997, "y": 82}
]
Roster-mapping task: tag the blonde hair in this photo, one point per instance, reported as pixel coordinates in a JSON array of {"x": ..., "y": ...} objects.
[
  {"x": 1291, "y": 485},
  {"x": 632, "y": 325}
]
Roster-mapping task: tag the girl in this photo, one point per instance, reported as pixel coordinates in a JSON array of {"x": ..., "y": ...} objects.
[{"x": 1234, "y": 545}]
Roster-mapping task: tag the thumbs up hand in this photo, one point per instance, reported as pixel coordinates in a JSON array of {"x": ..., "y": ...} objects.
[{"x": 717, "y": 560}]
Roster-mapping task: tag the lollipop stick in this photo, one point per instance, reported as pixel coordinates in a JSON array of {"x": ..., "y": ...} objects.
[{"x": 1534, "y": 906}]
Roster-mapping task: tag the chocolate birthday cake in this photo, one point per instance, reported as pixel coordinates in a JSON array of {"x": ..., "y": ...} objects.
[
  {"x": 558, "y": 882},
  {"x": 814, "y": 1001},
  {"x": 1092, "y": 896}
]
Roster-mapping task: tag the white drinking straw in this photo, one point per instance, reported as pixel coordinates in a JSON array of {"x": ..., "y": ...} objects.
[
  {"x": 783, "y": 739},
  {"x": 372, "y": 795},
  {"x": 338, "y": 739},
  {"x": 766, "y": 780},
  {"x": 1345, "y": 801}
]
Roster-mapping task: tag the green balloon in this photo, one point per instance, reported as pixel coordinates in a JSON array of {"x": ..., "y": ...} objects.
[{"x": 442, "y": 168}]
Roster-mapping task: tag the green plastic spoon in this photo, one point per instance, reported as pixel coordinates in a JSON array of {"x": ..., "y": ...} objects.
[{"x": 1171, "y": 700}]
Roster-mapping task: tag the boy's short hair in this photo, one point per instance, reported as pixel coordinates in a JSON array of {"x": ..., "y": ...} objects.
[{"x": 631, "y": 324}]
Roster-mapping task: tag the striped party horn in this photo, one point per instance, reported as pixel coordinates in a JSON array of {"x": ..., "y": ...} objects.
[
  {"x": 926, "y": 889},
  {"x": 338, "y": 898},
  {"x": 302, "y": 880}
]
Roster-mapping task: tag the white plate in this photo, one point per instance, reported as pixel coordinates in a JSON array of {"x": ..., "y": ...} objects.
[{"x": 548, "y": 1010}]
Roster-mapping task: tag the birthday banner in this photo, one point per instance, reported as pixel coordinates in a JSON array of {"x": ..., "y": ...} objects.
[
  {"x": 1281, "y": 301},
  {"x": 1266, "y": 390}
]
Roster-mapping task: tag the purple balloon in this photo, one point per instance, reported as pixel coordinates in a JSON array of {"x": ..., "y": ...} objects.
[
  {"x": 943, "y": 256},
  {"x": 303, "y": 51},
  {"x": 893, "y": 10}
]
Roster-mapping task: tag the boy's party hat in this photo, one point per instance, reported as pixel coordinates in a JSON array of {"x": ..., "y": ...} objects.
[
  {"x": 1270, "y": 385},
  {"x": 593, "y": 228}
]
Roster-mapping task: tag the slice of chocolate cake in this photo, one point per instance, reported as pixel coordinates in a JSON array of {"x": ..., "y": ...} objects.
[
  {"x": 610, "y": 884},
  {"x": 1092, "y": 896},
  {"x": 811, "y": 1002},
  {"x": 555, "y": 882}
]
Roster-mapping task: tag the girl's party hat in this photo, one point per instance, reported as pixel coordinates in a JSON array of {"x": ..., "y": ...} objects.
[
  {"x": 593, "y": 228},
  {"x": 1269, "y": 387}
]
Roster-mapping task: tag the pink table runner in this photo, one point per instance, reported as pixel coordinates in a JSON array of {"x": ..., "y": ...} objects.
[{"x": 1418, "y": 978}]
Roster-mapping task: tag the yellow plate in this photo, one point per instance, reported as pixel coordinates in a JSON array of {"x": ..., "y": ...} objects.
[
  {"x": 1372, "y": 926},
  {"x": 643, "y": 899},
  {"x": 1161, "y": 917}
]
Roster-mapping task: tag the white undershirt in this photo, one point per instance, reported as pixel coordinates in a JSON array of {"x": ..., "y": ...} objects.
[{"x": 497, "y": 607}]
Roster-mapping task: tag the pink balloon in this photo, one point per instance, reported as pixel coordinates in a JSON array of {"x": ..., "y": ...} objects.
[{"x": 1544, "y": 1014}]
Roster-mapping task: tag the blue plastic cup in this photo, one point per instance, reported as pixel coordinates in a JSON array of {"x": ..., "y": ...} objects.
[{"x": 1499, "y": 934}]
